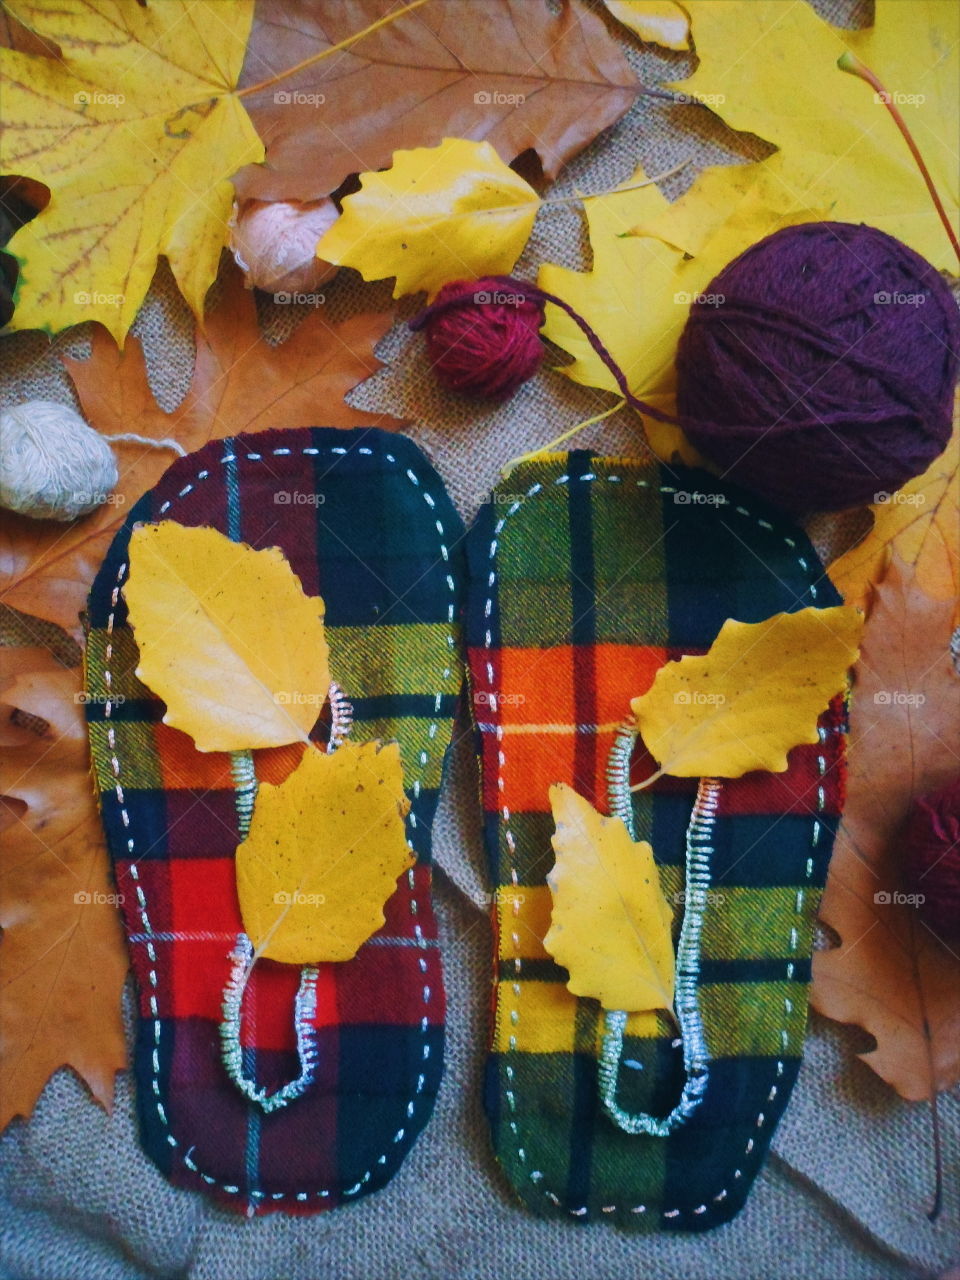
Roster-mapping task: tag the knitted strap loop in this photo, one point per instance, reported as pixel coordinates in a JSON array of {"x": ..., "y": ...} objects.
[
  {"x": 696, "y": 1056},
  {"x": 305, "y": 1008}
]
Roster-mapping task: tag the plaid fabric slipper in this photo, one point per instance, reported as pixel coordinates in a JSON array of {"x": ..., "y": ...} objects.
[
  {"x": 586, "y": 575},
  {"x": 314, "y": 1096}
]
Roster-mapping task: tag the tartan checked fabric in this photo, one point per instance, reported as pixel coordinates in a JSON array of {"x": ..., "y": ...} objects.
[
  {"x": 366, "y": 524},
  {"x": 586, "y": 574}
]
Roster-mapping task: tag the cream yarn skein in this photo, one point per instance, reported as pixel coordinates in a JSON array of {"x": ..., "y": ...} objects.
[{"x": 52, "y": 465}]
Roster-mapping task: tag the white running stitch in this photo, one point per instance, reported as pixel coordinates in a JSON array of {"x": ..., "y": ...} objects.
[
  {"x": 536, "y": 1176},
  {"x": 142, "y": 902}
]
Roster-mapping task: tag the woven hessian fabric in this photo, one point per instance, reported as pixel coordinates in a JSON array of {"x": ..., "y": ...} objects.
[
  {"x": 586, "y": 575},
  {"x": 171, "y": 819}
]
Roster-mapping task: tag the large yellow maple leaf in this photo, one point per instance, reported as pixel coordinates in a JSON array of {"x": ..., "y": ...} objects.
[
  {"x": 770, "y": 68},
  {"x": 136, "y": 131}
]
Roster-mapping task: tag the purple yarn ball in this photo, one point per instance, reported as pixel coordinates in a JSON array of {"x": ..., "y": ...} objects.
[{"x": 818, "y": 368}]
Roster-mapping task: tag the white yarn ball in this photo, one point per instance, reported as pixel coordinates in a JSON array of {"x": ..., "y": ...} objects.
[
  {"x": 52, "y": 465},
  {"x": 275, "y": 243}
]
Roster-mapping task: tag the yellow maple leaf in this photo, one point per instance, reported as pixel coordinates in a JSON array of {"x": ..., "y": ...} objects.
[
  {"x": 136, "y": 131},
  {"x": 769, "y": 67},
  {"x": 452, "y": 212},
  {"x": 651, "y": 259},
  {"x": 227, "y": 637},
  {"x": 657, "y": 21},
  {"x": 921, "y": 523},
  {"x": 757, "y": 693},
  {"x": 323, "y": 854},
  {"x": 610, "y": 926}
]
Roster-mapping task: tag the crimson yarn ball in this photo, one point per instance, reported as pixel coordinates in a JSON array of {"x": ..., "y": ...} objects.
[
  {"x": 931, "y": 851},
  {"x": 817, "y": 369},
  {"x": 485, "y": 342}
]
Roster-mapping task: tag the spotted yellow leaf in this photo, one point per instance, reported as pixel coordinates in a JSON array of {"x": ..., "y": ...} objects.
[
  {"x": 323, "y": 854},
  {"x": 757, "y": 693},
  {"x": 451, "y": 212},
  {"x": 227, "y": 637},
  {"x": 136, "y": 131},
  {"x": 610, "y": 925}
]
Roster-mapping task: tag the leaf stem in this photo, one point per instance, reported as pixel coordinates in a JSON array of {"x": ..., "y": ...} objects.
[
  {"x": 850, "y": 62},
  {"x": 641, "y": 786},
  {"x": 325, "y": 53}
]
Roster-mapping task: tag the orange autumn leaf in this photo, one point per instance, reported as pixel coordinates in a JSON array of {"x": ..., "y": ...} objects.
[
  {"x": 891, "y": 974},
  {"x": 240, "y": 383},
  {"x": 62, "y": 956}
]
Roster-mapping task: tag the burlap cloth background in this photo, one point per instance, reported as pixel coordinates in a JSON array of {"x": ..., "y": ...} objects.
[{"x": 843, "y": 1194}]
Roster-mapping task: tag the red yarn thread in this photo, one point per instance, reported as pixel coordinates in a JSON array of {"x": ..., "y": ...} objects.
[{"x": 931, "y": 845}]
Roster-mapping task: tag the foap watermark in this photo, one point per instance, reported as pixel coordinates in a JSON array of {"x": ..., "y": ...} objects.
[
  {"x": 698, "y": 898},
  {"x": 297, "y": 698},
  {"x": 508, "y": 499},
  {"x": 97, "y": 898},
  {"x": 702, "y": 100},
  {"x": 284, "y": 299},
  {"x": 298, "y": 498},
  {"x": 94, "y": 298},
  {"x": 698, "y": 698},
  {"x": 483, "y": 698},
  {"x": 297, "y": 898},
  {"x": 894, "y": 98},
  {"x": 701, "y": 299},
  {"x": 898, "y": 698},
  {"x": 693, "y": 498},
  {"x": 297, "y": 98},
  {"x": 897, "y": 298},
  {"x": 900, "y": 499},
  {"x": 498, "y": 298},
  {"x": 97, "y": 498},
  {"x": 87, "y": 699},
  {"x": 504, "y": 897},
  {"x": 894, "y": 898},
  {"x": 96, "y": 98},
  {"x": 497, "y": 98}
]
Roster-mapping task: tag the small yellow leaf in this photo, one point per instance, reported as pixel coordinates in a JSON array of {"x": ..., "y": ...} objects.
[
  {"x": 451, "y": 212},
  {"x": 227, "y": 637},
  {"x": 611, "y": 923},
  {"x": 756, "y": 694},
  {"x": 323, "y": 854},
  {"x": 657, "y": 21}
]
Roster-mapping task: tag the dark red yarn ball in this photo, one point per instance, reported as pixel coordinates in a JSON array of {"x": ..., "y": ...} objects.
[
  {"x": 818, "y": 367},
  {"x": 486, "y": 341},
  {"x": 931, "y": 852}
]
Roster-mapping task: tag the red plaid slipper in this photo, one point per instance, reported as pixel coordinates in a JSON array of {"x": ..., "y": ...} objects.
[{"x": 307, "y": 1088}]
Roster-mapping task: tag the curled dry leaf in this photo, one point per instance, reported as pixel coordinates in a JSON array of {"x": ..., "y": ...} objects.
[
  {"x": 227, "y": 637},
  {"x": 62, "y": 955},
  {"x": 515, "y": 73},
  {"x": 240, "y": 383},
  {"x": 452, "y": 212},
  {"x": 323, "y": 854},
  {"x": 890, "y": 974},
  {"x": 657, "y": 21}
]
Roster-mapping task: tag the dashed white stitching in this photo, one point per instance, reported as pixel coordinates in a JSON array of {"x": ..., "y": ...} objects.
[
  {"x": 536, "y": 1176},
  {"x": 141, "y": 898}
]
